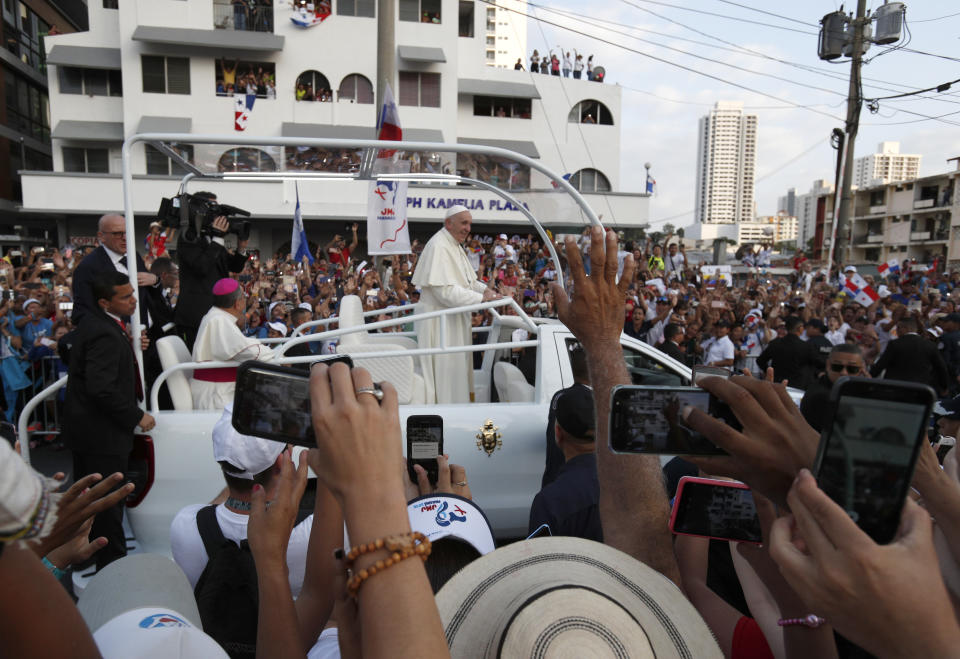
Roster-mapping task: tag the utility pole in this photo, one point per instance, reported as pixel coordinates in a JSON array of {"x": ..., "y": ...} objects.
[
  {"x": 386, "y": 48},
  {"x": 853, "y": 125}
]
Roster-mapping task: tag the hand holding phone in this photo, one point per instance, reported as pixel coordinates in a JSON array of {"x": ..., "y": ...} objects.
[
  {"x": 718, "y": 509},
  {"x": 424, "y": 445}
]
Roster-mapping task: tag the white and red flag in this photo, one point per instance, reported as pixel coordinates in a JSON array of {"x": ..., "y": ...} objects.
[
  {"x": 242, "y": 107},
  {"x": 861, "y": 292},
  {"x": 388, "y": 123}
]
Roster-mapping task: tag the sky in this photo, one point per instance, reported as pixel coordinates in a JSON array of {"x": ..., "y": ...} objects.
[{"x": 662, "y": 103}]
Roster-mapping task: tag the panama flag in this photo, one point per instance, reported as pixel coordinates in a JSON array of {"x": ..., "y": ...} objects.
[
  {"x": 860, "y": 290},
  {"x": 891, "y": 267},
  {"x": 651, "y": 184},
  {"x": 242, "y": 107},
  {"x": 388, "y": 123},
  {"x": 299, "y": 246}
]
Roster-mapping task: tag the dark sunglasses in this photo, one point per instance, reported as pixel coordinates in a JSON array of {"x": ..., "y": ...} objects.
[{"x": 851, "y": 369}]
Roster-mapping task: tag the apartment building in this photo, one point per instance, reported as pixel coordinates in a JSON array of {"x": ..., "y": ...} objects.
[
  {"x": 726, "y": 165},
  {"x": 885, "y": 166},
  {"x": 172, "y": 66}
]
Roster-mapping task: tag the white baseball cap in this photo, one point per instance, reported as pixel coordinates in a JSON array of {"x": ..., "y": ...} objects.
[
  {"x": 250, "y": 455},
  {"x": 305, "y": 306},
  {"x": 448, "y": 515},
  {"x": 142, "y": 606},
  {"x": 277, "y": 326},
  {"x": 850, "y": 268}
]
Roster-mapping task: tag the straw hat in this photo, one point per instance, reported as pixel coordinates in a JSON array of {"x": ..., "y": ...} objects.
[{"x": 568, "y": 597}]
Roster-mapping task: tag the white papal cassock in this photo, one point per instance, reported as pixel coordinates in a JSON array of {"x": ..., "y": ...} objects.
[
  {"x": 220, "y": 340},
  {"x": 446, "y": 279}
]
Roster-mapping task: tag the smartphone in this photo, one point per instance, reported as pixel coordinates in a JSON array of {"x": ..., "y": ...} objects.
[
  {"x": 36, "y": 250},
  {"x": 66, "y": 306},
  {"x": 9, "y": 295},
  {"x": 700, "y": 372},
  {"x": 869, "y": 447},
  {"x": 273, "y": 401},
  {"x": 646, "y": 419},
  {"x": 424, "y": 444},
  {"x": 946, "y": 443},
  {"x": 710, "y": 508}
]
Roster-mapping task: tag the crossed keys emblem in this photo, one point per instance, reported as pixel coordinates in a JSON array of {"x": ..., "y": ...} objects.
[{"x": 488, "y": 439}]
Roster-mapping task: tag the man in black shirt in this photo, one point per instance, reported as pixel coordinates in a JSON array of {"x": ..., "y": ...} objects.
[
  {"x": 570, "y": 505},
  {"x": 793, "y": 359},
  {"x": 815, "y": 337},
  {"x": 844, "y": 359},
  {"x": 672, "y": 336},
  {"x": 912, "y": 358}
]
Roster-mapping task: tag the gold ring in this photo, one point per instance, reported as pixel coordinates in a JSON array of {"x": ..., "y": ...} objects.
[{"x": 376, "y": 393}]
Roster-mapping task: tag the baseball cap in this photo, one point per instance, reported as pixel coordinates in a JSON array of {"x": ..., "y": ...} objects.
[
  {"x": 250, "y": 455},
  {"x": 502, "y": 236},
  {"x": 448, "y": 515},
  {"x": 142, "y": 606},
  {"x": 568, "y": 592},
  {"x": 883, "y": 291},
  {"x": 850, "y": 268},
  {"x": 575, "y": 412},
  {"x": 948, "y": 407},
  {"x": 277, "y": 326},
  {"x": 305, "y": 306},
  {"x": 935, "y": 331}
]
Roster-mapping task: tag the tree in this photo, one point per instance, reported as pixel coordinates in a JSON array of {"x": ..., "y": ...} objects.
[{"x": 669, "y": 228}]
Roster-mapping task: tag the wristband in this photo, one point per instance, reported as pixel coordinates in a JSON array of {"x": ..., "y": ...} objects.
[
  {"x": 57, "y": 572},
  {"x": 812, "y": 621}
]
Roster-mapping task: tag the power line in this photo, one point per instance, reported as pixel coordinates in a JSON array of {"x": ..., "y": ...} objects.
[
  {"x": 768, "y": 13},
  {"x": 944, "y": 86},
  {"x": 662, "y": 60},
  {"x": 716, "y": 15},
  {"x": 920, "y": 52},
  {"x": 939, "y": 18},
  {"x": 782, "y": 166}
]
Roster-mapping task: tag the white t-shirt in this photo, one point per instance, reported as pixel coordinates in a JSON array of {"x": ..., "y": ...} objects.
[
  {"x": 327, "y": 645},
  {"x": 655, "y": 335},
  {"x": 190, "y": 554},
  {"x": 720, "y": 350},
  {"x": 674, "y": 264}
]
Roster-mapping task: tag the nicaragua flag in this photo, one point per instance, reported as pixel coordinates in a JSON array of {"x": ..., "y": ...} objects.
[
  {"x": 299, "y": 246},
  {"x": 388, "y": 123},
  {"x": 242, "y": 107},
  {"x": 860, "y": 290},
  {"x": 891, "y": 267},
  {"x": 651, "y": 184}
]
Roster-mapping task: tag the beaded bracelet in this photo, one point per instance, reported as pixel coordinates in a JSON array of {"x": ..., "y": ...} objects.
[
  {"x": 812, "y": 621},
  {"x": 402, "y": 548}
]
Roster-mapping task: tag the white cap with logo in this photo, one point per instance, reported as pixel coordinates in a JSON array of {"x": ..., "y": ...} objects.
[{"x": 250, "y": 455}]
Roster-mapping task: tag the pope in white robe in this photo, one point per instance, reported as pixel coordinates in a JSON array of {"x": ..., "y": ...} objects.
[
  {"x": 446, "y": 279},
  {"x": 219, "y": 339}
]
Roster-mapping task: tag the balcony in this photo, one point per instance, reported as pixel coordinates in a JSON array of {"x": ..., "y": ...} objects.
[
  {"x": 924, "y": 203},
  {"x": 919, "y": 235},
  {"x": 878, "y": 210},
  {"x": 875, "y": 238},
  {"x": 253, "y": 17}
]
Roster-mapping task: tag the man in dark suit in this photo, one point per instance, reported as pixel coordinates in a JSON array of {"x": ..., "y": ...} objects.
[
  {"x": 110, "y": 256},
  {"x": 911, "y": 357},
  {"x": 100, "y": 411},
  {"x": 793, "y": 359},
  {"x": 844, "y": 359},
  {"x": 161, "y": 325},
  {"x": 672, "y": 335},
  {"x": 203, "y": 261}
]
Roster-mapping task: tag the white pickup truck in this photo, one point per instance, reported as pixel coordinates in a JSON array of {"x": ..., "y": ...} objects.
[{"x": 177, "y": 459}]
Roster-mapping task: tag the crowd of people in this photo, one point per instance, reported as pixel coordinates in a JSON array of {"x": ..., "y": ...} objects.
[
  {"x": 252, "y": 78},
  {"x": 563, "y": 63},
  {"x": 817, "y": 586}
]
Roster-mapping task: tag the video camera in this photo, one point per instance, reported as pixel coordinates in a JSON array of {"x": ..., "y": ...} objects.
[{"x": 186, "y": 211}]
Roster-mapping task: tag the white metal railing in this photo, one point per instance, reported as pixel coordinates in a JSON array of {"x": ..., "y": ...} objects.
[
  {"x": 28, "y": 409},
  {"x": 325, "y": 322}
]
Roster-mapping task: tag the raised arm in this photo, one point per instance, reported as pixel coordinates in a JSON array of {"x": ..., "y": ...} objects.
[{"x": 633, "y": 504}]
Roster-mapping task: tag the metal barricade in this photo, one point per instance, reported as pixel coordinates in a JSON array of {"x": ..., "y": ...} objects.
[{"x": 45, "y": 419}]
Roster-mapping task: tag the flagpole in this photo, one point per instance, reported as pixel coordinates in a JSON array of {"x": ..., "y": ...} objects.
[{"x": 386, "y": 48}]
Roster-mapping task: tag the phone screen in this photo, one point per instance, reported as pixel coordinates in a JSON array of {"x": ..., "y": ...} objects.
[
  {"x": 424, "y": 444},
  {"x": 273, "y": 402},
  {"x": 716, "y": 510},
  {"x": 647, "y": 420},
  {"x": 869, "y": 449}
]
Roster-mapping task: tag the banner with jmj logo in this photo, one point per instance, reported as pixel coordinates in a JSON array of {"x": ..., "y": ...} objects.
[{"x": 387, "y": 230}]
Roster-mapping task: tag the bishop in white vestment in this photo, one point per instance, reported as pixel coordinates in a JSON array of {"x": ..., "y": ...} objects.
[
  {"x": 219, "y": 339},
  {"x": 446, "y": 279}
]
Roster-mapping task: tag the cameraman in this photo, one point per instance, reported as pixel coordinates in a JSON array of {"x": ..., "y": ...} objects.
[{"x": 203, "y": 261}]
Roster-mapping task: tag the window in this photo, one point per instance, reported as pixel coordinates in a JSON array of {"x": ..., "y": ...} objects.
[
  {"x": 165, "y": 75},
  {"x": 313, "y": 86},
  {"x": 365, "y": 8},
  {"x": 247, "y": 15},
  {"x": 590, "y": 180},
  {"x": 495, "y": 106},
  {"x": 590, "y": 112},
  {"x": 28, "y": 109},
  {"x": 111, "y": 4},
  {"x": 240, "y": 77},
  {"x": 159, "y": 164},
  {"x": 422, "y": 11},
  {"x": 420, "y": 89},
  {"x": 356, "y": 89},
  {"x": 93, "y": 82},
  {"x": 76, "y": 159},
  {"x": 466, "y": 18},
  {"x": 246, "y": 159}
]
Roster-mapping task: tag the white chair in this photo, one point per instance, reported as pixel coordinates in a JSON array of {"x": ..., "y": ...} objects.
[
  {"x": 512, "y": 386},
  {"x": 173, "y": 351}
]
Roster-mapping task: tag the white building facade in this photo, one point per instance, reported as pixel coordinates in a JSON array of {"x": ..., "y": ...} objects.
[
  {"x": 806, "y": 205},
  {"x": 888, "y": 165},
  {"x": 506, "y": 32},
  {"x": 726, "y": 165},
  {"x": 166, "y": 66}
]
